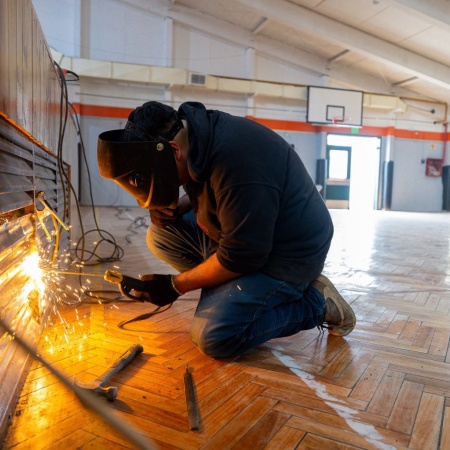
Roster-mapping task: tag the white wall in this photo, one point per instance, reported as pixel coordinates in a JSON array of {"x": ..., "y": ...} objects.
[
  {"x": 121, "y": 33},
  {"x": 204, "y": 54},
  {"x": 105, "y": 192},
  {"x": 269, "y": 68},
  {"x": 412, "y": 190},
  {"x": 60, "y": 21}
]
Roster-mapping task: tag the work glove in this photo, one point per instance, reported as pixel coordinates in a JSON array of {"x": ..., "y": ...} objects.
[
  {"x": 163, "y": 217},
  {"x": 159, "y": 289}
]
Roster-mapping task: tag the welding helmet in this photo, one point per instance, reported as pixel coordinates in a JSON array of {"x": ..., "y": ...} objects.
[{"x": 146, "y": 169}]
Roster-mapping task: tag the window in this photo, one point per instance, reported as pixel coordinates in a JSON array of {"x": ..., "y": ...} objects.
[{"x": 338, "y": 164}]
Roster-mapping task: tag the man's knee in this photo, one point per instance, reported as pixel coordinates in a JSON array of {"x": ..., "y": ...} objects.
[
  {"x": 159, "y": 241},
  {"x": 215, "y": 343},
  {"x": 153, "y": 236}
]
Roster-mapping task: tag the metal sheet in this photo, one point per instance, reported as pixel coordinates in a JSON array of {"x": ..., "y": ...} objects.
[
  {"x": 13, "y": 201},
  {"x": 29, "y": 124}
]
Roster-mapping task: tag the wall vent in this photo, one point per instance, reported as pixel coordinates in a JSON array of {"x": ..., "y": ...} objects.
[{"x": 197, "y": 79}]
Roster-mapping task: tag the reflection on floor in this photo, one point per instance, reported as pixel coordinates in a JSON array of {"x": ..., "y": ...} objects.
[{"x": 384, "y": 386}]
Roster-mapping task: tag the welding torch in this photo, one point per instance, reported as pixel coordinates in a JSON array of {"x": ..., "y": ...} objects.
[
  {"x": 158, "y": 289},
  {"x": 155, "y": 288},
  {"x": 126, "y": 284}
]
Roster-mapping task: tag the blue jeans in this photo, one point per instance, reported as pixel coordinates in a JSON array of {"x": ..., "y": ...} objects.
[{"x": 240, "y": 314}]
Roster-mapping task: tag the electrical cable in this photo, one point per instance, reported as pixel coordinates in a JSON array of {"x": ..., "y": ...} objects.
[
  {"x": 80, "y": 255},
  {"x": 157, "y": 310},
  {"x": 135, "y": 224},
  {"x": 106, "y": 237}
]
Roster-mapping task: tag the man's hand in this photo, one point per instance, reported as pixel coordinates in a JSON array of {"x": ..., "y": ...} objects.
[
  {"x": 163, "y": 217},
  {"x": 159, "y": 289},
  {"x": 167, "y": 216}
]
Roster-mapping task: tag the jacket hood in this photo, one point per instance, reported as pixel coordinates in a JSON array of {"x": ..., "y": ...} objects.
[{"x": 201, "y": 127}]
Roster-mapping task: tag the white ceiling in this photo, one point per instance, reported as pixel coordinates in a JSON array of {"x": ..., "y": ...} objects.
[{"x": 399, "y": 47}]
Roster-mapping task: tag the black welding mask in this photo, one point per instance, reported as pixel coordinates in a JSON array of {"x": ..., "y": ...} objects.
[{"x": 145, "y": 169}]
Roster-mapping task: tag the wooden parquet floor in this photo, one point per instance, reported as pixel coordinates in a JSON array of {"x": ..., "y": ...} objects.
[{"x": 384, "y": 386}]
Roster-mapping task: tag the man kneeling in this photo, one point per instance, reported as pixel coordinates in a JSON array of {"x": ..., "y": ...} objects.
[{"x": 252, "y": 231}]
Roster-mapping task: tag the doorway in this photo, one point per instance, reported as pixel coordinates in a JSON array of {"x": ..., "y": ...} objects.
[{"x": 353, "y": 171}]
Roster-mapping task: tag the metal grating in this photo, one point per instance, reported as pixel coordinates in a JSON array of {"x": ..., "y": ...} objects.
[{"x": 26, "y": 171}]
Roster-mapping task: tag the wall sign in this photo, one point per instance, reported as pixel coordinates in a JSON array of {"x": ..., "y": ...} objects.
[{"x": 433, "y": 167}]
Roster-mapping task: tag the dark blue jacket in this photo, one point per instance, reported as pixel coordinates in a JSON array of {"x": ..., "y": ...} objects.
[{"x": 254, "y": 198}]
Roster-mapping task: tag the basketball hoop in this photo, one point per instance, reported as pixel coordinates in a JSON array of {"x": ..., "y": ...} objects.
[{"x": 340, "y": 120}]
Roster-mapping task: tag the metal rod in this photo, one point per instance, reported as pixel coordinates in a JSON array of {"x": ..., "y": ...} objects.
[
  {"x": 74, "y": 273},
  {"x": 191, "y": 400}
]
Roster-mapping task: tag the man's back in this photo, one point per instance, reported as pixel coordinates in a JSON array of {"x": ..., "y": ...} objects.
[{"x": 255, "y": 197}]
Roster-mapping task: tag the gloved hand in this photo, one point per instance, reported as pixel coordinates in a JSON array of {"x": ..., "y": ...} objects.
[
  {"x": 163, "y": 217},
  {"x": 159, "y": 289}
]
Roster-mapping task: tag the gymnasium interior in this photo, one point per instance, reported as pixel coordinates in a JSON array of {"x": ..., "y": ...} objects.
[{"x": 359, "y": 88}]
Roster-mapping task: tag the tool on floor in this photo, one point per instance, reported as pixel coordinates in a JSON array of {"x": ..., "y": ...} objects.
[
  {"x": 126, "y": 284},
  {"x": 98, "y": 385},
  {"x": 116, "y": 422},
  {"x": 191, "y": 401}
]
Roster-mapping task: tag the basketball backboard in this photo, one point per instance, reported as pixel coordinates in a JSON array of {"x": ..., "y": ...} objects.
[{"x": 334, "y": 106}]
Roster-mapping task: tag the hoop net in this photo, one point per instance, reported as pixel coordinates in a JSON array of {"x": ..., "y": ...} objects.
[{"x": 340, "y": 120}]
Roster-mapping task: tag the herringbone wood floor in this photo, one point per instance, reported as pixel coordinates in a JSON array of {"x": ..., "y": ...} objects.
[{"x": 385, "y": 386}]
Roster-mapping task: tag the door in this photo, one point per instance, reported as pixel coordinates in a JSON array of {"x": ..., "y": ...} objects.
[{"x": 337, "y": 192}]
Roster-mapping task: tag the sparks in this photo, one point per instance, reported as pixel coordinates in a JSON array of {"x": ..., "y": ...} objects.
[
  {"x": 31, "y": 266},
  {"x": 35, "y": 289}
]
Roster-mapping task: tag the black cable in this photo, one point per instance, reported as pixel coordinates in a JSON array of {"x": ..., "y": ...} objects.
[
  {"x": 107, "y": 237},
  {"x": 63, "y": 114},
  {"x": 135, "y": 224},
  {"x": 157, "y": 310},
  {"x": 77, "y": 255}
]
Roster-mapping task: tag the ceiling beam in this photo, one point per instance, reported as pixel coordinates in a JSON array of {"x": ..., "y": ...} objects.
[
  {"x": 337, "y": 57},
  {"x": 404, "y": 82},
  {"x": 303, "y": 19},
  {"x": 261, "y": 25}
]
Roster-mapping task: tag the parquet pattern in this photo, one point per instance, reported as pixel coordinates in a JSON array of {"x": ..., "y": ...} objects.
[{"x": 384, "y": 386}]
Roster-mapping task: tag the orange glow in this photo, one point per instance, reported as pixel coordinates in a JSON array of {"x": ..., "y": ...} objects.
[
  {"x": 31, "y": 266},
  {"x": 34, "y": 290}
]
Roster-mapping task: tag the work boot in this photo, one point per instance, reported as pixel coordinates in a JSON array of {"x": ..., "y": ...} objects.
[{"x": 339, "y": 316}]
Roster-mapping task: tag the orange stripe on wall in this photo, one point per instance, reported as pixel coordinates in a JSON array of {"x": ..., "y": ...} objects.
[
  {"x": 280, "y": 125},
  {"x": 419, "y": 135},
  {"x": 286, "y": 125},
  {"x": 102, "y": 111}
]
